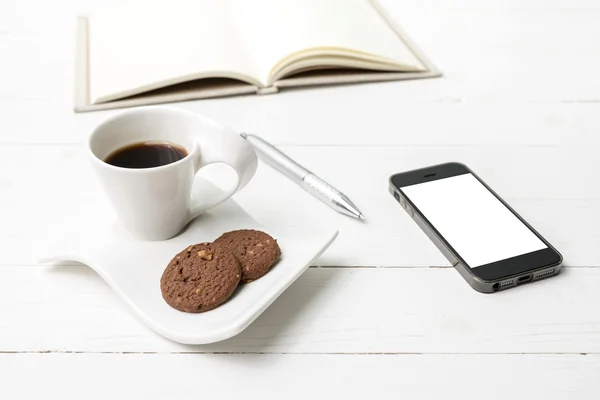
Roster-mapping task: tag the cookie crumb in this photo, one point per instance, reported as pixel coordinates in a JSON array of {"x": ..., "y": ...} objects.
[{"x": 203, "y": 254}]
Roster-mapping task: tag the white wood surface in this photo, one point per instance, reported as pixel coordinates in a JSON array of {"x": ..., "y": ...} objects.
[
  {"x": 295, "y": 377},
  {"x": 328, "y": 310},
  {"x": 519, "y": 103}
]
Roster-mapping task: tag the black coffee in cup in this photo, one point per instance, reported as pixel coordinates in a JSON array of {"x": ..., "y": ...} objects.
[{"x": 146, "y": 155}]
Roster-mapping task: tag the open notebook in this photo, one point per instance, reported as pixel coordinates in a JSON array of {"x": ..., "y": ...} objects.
[{"x": 142, "y": 53}]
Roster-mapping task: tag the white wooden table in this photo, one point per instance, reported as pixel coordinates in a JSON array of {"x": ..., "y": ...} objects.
[{"x": 380, "y": 314}]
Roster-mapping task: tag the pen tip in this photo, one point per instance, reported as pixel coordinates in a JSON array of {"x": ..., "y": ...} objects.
[
  {"x": 361, "y": 216},
  {"x": 244, "y": 135}
]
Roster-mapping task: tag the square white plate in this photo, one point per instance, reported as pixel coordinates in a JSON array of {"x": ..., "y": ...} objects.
[{"x": 133, "y": 269}]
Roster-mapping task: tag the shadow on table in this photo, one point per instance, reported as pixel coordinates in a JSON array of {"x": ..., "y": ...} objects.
[
  {"x": 287, "y": 320},
  {"x": 284, "y": 325}
]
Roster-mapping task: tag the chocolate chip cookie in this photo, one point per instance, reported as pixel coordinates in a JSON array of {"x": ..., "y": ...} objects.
[
  {"x": 256, "y": 251},
  {"x": 200, "y": 278}
]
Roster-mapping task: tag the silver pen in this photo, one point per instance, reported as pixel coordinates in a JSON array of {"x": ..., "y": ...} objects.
[{"x": 303, "y": 177}]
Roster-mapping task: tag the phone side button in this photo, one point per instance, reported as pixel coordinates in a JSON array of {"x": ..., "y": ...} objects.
[{"x": 410, "y": 212}]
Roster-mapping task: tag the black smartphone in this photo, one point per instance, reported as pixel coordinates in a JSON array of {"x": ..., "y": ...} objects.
[{"x": 491, "y": 245}]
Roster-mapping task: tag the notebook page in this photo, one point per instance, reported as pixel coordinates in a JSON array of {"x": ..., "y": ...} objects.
[
  {"x": 142, "y": 46},
  {"x": 275, "y": 29}
]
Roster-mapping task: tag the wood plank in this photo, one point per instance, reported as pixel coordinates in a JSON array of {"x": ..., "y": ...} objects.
[
  {"x": 299, "y": 119},
  {"x": 55, "y": 191},
  {"x": 485, "y": 106},
  {"x": 328, "y": 310},
  {"x": 509, "y": 50},
  {"x": 491, "y": 5},
  {"x": 455, "y": 110},
  {"x": 492, "y": 55},
  {"x": 156, "y": 376}
]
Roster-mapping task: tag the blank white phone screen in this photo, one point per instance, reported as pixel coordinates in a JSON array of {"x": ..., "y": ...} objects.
[{"x": 472, "y": 220}]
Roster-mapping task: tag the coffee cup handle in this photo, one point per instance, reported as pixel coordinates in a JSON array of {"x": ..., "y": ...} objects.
[{"x": 229, "y": 149}]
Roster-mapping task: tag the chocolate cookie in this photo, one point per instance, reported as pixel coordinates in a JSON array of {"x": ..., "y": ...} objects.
[
  {"x": 200, "y": 278},
  {"x": 255, "y": 250}
]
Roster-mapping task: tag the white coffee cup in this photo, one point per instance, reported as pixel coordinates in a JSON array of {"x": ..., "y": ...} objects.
[{"x": 154, "y": 203}]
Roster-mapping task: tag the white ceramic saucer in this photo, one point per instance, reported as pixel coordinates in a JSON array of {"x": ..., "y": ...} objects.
[{"x": 133, "y": 269}]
